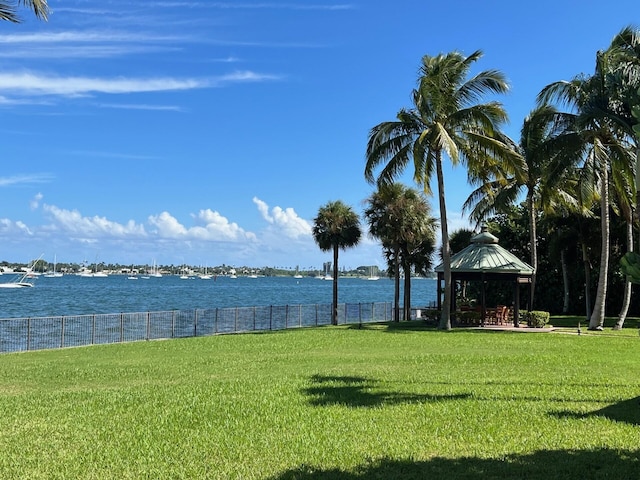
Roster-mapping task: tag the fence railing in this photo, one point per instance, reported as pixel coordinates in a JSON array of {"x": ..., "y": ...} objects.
[{"x": 38, "y": 333}]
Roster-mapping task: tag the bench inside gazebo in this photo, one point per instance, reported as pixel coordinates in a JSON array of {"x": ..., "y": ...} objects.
[{"x": 483, "y": 261}]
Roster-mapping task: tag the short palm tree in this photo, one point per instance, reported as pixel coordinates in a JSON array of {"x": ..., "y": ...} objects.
[
  {"x": 401, "y": 219},
  {"x": 446, "y": 120},
  {"x": 336, "y": 227},
  {"x": 8, "y": 9}
]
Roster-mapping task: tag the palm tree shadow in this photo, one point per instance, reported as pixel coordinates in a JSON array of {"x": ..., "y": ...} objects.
[
  {"x": 627, "y": 411},
  {"x": 360, "y": 392},
  {"x": 541, "y": 465}
]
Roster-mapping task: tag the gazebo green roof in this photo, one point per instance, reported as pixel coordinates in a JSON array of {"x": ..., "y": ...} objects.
[{"x": 484, "y": 255}]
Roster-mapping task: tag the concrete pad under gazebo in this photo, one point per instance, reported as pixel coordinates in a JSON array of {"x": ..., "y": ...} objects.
[{"x": 484, "y": 260}]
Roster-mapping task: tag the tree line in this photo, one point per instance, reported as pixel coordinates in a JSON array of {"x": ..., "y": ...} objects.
[{"x": 574, "y": 165}]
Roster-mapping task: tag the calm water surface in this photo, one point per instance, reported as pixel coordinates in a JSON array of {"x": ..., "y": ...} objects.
[{"x": 75, "y": 295}]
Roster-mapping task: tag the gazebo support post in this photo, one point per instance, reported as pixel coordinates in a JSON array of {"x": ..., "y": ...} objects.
[
  {"x": 483, "y": 298},
  {"x": 516, "y": 304}
]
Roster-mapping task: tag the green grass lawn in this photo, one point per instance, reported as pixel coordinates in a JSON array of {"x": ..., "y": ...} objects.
[{"x": 397, "y": 401}]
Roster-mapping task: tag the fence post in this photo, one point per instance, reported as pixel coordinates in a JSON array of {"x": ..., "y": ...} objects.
[
  {"x": 300, "y": 315},
  {"x": 316, "y": 314},
  {"x": 195, "y": 323},
  {"x": 173, "y": 323},
  {"x": 215, "y": 326},
  {"x": 359, "y": 315},
  {"x": 254, "y": 319},
  {"x": 235, "y": 321},
  {"x": 270, "y": 317},
  {"x": 286, "y": 316},
  {"x": 62, "y": 332},
  {"x": 28, "y": 333},
  {"x": 148, "y": 325},
  {"x": 121, "y": 327}
]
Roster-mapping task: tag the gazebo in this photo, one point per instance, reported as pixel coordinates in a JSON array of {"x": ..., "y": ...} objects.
[{"x": 484, "y": 260}]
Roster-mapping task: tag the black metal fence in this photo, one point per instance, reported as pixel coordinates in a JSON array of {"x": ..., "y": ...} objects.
[{"x": 38, "y": 333}]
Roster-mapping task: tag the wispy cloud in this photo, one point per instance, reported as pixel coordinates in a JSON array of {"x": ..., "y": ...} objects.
[
  {"x": 87, "y": 37},
  {"x": 35, "y": 84},
  {"x": 67, "y": 52},
  {"x": 115, "y": 155},
  {"x": 129, "y": 106},
  {"x": 258, "y": 6},
  {"x": 25, "y": 179}
]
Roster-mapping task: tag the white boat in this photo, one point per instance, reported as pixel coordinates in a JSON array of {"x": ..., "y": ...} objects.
[
  {"x": 205, "y": 275},
  {"x": 22, "y": 280},
  {"x": 86, "y": 272},
  {"x": 371, "y": 275},
  {"x": 154, "y": 271},
  {"x": 133, "y": 275},
  {"x": 53, "y": 274}
]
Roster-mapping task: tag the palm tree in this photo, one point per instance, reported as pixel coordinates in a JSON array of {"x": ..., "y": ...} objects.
[
  {"x": 336, "y": 227},
  {"x": 548, "y": 144},
  {"x": 446, "y": 119},
  {"x": 8, "y": 9},
  {"x": 594, "y": 100},
  {"x": 400, "y": 218}
]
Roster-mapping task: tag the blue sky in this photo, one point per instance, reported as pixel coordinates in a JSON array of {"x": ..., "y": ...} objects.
[{"x": 207, "y": 132}]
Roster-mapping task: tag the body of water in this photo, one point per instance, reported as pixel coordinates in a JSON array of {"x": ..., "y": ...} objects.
[{"x": 75, "y": 295}]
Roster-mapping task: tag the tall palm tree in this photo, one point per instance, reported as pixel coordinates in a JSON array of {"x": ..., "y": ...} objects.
[
  {"x": 336, "y": 227},
  {"x": 595, "y": 105},
  {"x": 8, "y": 9},
  {"x": 446, "y": 119},
  {"x": 548, "y": 144},
  {"x": 400, "y": 218}
]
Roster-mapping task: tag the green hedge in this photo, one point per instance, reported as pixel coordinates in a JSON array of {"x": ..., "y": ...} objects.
[{"x": 536, "y": 319}]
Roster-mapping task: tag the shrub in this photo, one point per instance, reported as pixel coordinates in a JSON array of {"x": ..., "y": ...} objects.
[
  {"x": 431, "y": 316},
  {"x": 536, "y": 318}
]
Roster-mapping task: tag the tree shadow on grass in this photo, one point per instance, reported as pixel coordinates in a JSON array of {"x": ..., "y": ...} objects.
[
  {"x": 542, "y": 465},
  {"x": 627, "y": 411},
  {"x": 361, "y": 392}
]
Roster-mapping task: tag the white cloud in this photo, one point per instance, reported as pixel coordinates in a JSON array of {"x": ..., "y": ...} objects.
[
  {"x": 286, "y": 220},
  {"x": 211, "y": 227},
  {"x": 130, "y": 106},
  {"x": 35, "y": 202},
  {"x": 25, "y": 179},
  {"x": 72, "y": 222},
  {"x": 35, "y": 84},
  {"x": 28, "y": 83}
]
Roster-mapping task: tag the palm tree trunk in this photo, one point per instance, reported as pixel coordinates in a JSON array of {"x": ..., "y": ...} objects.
[
  {"x": 565, "y": 280},
  {"x": 597, "y": 316},
  {"x": 626, "y": 300},
  {"x": 407, "y": 292},
  {"x": 445, "y": 316},
  {"x": 334, "y": 309},
  {"x": 396, "y": 293},
  {"x": 533, "y": 245},
  {"x": 587, "y": 279}
]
